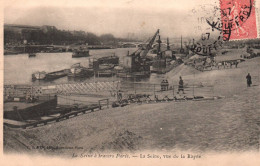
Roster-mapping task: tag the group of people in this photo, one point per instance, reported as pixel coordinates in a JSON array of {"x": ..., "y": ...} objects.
[{"x": 164, "y": 85}]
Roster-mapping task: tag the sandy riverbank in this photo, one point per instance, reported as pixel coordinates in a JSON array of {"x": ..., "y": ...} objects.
[{"x": 228, "y": 124}]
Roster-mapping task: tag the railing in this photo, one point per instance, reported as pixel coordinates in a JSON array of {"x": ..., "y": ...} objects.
[{"x": 23, "y": 91}]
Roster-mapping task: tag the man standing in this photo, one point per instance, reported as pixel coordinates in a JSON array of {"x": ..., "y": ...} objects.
[
  {"x": 166, "y": 85},
  {"x": 181, "y": 88},
  {"x": 249, "y": 81}
]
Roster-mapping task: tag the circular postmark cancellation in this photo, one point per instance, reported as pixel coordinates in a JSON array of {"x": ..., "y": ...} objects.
[
  {"x": 221, "y": 21},
  {"x": 209, "y": 40}
]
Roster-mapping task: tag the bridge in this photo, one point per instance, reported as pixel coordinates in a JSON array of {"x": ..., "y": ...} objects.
[
  {"x": 131, "y": 44},
  {"x": 139, "y": 44}
]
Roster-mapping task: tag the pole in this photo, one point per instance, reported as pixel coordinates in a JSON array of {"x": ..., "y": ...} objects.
[
  {"x": 154, "y": 90},
  {"x": 213, "y": 91},
  {"x": 193, "y": 84},
  {"x": 94, "y": 76},
  {"x": 96, "y": 86},
  {"x": 134, "y": 86},
  {"x": 173, "y": 90}
]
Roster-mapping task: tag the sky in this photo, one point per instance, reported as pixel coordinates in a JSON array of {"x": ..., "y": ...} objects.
[{"x": 119, "y": 17}]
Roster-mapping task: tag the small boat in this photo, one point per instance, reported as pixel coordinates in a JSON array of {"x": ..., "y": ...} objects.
[
  {"x": 80, "y": 53},
  {"x": 57, "y": 74},
  {"x": 77, "y": 70},
  {"x": 39, "y": 75},
  {"x": 31, "y": 55}
]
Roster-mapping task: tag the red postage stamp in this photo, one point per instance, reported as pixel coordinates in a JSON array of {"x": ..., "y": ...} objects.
[{"x": 239, "y": 19}]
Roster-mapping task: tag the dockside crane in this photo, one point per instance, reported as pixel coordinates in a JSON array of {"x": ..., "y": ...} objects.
[{"x": 148, "y": 47}]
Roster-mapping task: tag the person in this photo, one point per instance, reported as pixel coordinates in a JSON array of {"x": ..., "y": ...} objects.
[
  {"x": 236, "y": 63},
  {"x": 163, "y": 85},
  {"x": 166, "y": 84},
  {"x": 181, "y": 88},
  {"x": 120, "y": 95},
  {"x": 249, "y": 81}
]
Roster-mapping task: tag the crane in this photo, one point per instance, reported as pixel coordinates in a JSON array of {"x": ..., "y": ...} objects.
[{"x": 147, "y": 47}]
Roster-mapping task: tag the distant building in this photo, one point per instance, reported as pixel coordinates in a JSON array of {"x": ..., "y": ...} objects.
[
  {"x": 21, "y": 28},
  {"x": 47, "y": 28}
]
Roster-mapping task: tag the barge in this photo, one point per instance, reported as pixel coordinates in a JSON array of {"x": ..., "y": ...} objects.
[
  {"x": 77, "y": 70},
  {"x": 57, "y": 74},
  {"x": 50, "y": 76},
  {"x": 80, "y": 53}
]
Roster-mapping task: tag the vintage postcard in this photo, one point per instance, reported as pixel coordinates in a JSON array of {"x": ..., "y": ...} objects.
[{"x": 127, "y": 82}]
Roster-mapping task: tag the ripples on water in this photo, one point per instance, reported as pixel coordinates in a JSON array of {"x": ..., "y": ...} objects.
[{"x": 18, "y": 69}]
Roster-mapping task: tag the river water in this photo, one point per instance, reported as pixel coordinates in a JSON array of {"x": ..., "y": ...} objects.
[{"x": 18, "y": 69}]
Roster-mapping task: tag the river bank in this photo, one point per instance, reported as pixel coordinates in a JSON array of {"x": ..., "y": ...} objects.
[{"x": 229, "y": 124}]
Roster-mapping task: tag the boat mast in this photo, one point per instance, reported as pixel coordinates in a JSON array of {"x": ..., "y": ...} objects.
[
  {"x": 168, "y": 44},
  {"x": 181, "y": 42},
  {"x": 181, "y": 50}
]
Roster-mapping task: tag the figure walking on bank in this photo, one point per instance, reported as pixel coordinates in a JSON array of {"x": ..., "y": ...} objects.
[
  {"x": 249, "y": 81},
  {"x": 181, "y": 88}
]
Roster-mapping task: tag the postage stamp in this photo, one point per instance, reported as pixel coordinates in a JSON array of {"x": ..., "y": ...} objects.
[{"x": 238, "y": 19}]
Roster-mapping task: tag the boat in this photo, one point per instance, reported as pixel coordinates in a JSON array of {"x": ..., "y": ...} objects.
[
  {"x": 164, "y": 61},
  {"x": 39, "y": 75},
  {"x": 31, "y": 55},
  {"x": 109, "y": 60},
  {"x": 82, "y": 52},
  {"x": 57, "y": 74},
  {"x": 78, "y": 70}
]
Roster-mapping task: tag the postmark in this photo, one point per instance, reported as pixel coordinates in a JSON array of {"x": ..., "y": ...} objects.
[
  {"x": 209, "y": 39},
  {"x": 226, "y": 20}
]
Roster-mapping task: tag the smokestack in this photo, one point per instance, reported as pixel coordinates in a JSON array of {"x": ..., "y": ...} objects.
[{"x": 168, "y": 44}]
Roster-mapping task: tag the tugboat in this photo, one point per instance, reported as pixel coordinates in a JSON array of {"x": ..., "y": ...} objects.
[
  {"x": 78, "y": 70},
  {"x": 81, "y": 52}
]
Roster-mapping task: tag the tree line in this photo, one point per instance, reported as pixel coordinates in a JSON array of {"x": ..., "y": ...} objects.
[{"x": 57, "y": 37}]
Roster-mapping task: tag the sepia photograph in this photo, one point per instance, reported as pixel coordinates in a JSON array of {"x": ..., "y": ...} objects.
[{"x": 148, "y": 80}]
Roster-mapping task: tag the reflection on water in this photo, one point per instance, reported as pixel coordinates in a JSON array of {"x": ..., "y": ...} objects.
[{"x": 18, "y": 69}]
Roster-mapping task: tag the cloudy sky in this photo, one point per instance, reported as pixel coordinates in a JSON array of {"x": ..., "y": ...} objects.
[{"x": 119, "y": 17}]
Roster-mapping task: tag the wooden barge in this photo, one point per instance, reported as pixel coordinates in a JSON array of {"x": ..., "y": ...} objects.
[
  {"x": 50, "y": 76},
  {"x": 80, "y": 53},
  {"x": 79, "y": 71}
]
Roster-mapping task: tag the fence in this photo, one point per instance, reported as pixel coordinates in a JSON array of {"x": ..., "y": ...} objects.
[
  {"x": 145, "y": 91},
  {"x": 23, "y": 91}
]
